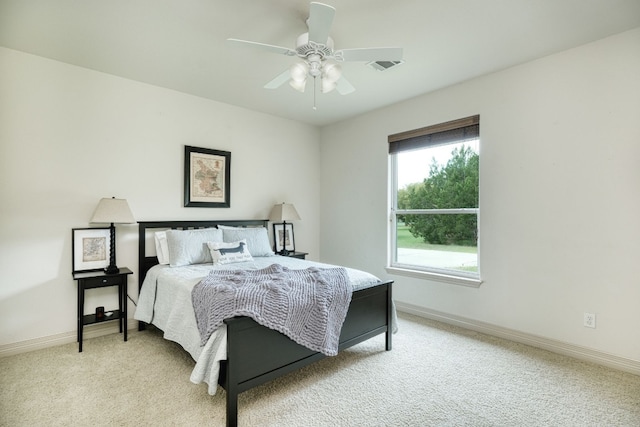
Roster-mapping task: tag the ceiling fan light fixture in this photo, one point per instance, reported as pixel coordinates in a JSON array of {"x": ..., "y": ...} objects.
[
  {"x": 315, "y": 47},
  {"x": 328, "y": 86},
  {"x": 331, "y": 72},
  {"x": 298, "y": 85},
  {"x": 299, "y": 72}
]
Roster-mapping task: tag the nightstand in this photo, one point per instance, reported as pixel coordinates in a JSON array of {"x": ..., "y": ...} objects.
[
  {"x": 301, "y": 255},
  {"x": 100, "y": 279}
]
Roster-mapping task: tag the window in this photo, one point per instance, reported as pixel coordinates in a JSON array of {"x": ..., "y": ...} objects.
[{"x": 434, "y": 206}]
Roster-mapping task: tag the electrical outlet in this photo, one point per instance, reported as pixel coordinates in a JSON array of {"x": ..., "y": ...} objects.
[{"x": 590, "y": 320}]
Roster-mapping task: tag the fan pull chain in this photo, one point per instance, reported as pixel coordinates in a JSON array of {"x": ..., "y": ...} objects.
[{"x": 315, "y": 90}]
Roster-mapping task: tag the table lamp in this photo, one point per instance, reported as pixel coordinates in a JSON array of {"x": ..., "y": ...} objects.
[
  {"x": 113, "y": 211},
  {"x": 283, "y": 212}
]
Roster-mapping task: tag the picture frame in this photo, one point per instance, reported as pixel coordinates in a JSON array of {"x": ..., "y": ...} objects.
[
  {"x": 283, "y": 238},
  {"x": 207, "y": 178},
  {"x": 90, "y": 249}
]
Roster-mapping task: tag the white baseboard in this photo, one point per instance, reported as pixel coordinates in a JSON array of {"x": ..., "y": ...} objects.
[
  {"x": 582, "y": 353},
  {"x": 90, "y": 331}
]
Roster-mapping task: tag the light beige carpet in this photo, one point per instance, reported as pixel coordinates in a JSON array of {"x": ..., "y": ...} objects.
[{"x": 436, "y": 375}]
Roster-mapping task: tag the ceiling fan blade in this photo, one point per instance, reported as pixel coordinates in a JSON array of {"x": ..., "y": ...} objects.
[
  {"x": 344, "y": 87},
  {"x": 279, "y": 80},
  {"x": 369, "y": 54},
  {"x": 269, "y": 47},
  {"x": 319, "y": 22}
]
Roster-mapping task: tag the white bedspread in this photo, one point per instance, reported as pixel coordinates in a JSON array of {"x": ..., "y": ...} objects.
[{"x": 165, "y": 301}]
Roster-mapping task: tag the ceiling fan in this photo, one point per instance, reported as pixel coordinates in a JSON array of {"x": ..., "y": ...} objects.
[{"x": 318, "y": 57}]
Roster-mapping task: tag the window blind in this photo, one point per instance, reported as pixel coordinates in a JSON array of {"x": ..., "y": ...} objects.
[{"x": 430, "y": 136}]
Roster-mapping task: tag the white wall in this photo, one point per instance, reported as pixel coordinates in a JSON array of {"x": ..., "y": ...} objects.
[
  {"x": 559, "y": 186},
  {"x": 559, "y": 195},
  {"x": 69, "y": 136}
]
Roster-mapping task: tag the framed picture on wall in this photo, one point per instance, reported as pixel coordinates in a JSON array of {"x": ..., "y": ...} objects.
[
  {"x": 283, "y": 238},
  {"x": 207, "y": 178},
  {"x": 90, "y": 249}
]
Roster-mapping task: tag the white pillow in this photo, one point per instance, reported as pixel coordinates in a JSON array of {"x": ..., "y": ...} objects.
[
  {"x": 257, "y": 239},
  {"x": 227, "y": 253},
  {"x": 188, "y": 247},
  {"x": 162, "y": 248}
]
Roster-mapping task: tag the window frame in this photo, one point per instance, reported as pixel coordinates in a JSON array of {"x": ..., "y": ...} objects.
[{"x": 428, "y": 137}]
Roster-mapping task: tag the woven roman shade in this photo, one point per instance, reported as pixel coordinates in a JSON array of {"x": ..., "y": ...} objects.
[{"x": 431, "y": 136}]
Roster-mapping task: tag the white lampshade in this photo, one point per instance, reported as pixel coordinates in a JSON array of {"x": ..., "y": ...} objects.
[
  {"x": 328, "y": 86},
  {"x": 298, "y": 85},
  {"x": 284, "y": 212},
  {"x": 330, "y": 75},
  {"x": 299, "y": 71},
  {"x": 331, "y": 72},
  {"x": 114, "y": 211}
]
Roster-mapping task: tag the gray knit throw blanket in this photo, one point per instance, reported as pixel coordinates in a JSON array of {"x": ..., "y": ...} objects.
[{"x": 308, "y": 306}]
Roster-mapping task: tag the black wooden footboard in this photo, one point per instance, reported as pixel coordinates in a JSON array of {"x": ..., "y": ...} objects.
[{"x": 256, "y": 354}]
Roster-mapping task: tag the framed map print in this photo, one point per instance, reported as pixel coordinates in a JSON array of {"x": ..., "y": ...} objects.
[
  {"x": 90, "y": 248},
  {"x": 207, "y": 178}
]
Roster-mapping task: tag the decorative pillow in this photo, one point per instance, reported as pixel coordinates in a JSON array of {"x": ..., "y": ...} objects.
[
  {"x": 188, "y": 247},
  {"x": 257, "y": 239},
  {"x": 227, "y": 253},
  {"x": 162, "y": 249}
]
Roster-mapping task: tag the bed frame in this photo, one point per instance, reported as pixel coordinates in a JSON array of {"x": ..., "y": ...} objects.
[{"x": 256, "y": 354}]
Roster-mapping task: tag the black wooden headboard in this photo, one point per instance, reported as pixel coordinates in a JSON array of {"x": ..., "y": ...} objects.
[{"x": 145, "y": 262}]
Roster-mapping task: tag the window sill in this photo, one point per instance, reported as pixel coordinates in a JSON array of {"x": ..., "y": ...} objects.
[{"x": 437, "y": 277}]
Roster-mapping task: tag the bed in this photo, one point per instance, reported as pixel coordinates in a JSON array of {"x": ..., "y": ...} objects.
[{"x": 243, "y": 354}]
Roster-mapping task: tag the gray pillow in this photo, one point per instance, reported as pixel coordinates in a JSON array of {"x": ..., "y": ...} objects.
[
  {"x": 188, "y": 247},
  {"x": 257, "y": 239}
]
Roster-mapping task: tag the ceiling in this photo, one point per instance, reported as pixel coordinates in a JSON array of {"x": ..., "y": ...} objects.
[{"x": 181, "y": 45}]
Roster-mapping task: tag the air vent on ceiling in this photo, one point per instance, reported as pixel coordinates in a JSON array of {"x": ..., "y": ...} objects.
[{"x": 384, "y": 65}]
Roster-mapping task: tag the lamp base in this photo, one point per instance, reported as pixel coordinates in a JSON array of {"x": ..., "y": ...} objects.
[
  {"x": 284, "y": 252},
  {"x": 112, "y": 269}
]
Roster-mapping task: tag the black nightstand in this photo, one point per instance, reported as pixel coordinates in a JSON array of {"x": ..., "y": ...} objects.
[
  {"x": 301, "y": 255},
  {"x": 99, "y": 279}
]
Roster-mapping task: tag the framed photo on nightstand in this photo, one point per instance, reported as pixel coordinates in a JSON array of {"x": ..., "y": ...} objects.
[
  {"x": 283, "y": 237},
  {"x": 90, "y": 249}
]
